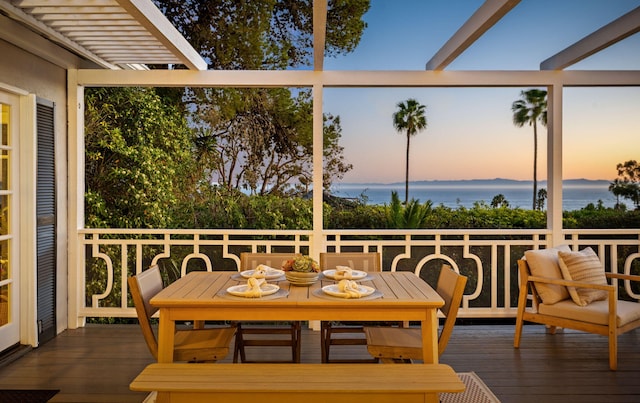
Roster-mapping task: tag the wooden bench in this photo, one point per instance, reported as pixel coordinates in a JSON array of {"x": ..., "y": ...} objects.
[{"x": 309, "y": 383}]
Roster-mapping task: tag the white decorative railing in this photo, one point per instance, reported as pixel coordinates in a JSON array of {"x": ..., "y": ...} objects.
[{"x": 487, "y": 257}]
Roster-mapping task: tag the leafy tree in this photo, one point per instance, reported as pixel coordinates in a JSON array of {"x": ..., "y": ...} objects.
[
  {"x": 241, "y": 145},
  {"x": 617, "y": 188},
  {"x": 530, "y": 109},
  {"x": 334, "y": 164},
  {"x": 541, "y": 199},
  {"x": 627, "y": 185},
  {"x": 138, "y": 158},
  {"x": 261, "y": 139},
  {"x": 265, "y": 34},
  {"x": 410, "y": 215},
  {"x": 409, "y": 118},
  {"x": 499, "y": 200}
]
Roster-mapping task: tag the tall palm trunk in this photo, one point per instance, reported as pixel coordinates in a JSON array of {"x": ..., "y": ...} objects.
[
  {"x": 406, "y": 178},
  {"x": 535, "y": 164}
]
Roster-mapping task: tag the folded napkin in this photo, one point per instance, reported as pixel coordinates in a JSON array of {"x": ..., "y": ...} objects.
[
  {"x": 350, "y": 288},
  {"x": 260, "y": 271},
  {"x": 254, "y": 287},
  {"x": 263, "y": 268},
  {"x": 343, "y": 272}
]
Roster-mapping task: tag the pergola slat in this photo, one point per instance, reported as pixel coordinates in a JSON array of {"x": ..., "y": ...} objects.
[{"x": 606, "y": 36}]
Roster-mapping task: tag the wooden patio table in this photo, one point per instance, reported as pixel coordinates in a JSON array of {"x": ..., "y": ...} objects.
[{"x": 202, "y": 296}]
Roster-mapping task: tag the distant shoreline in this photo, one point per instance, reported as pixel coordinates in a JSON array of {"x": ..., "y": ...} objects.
[
  {"x": 577, "y": 193},
  {"x": 479, "y": 182}
]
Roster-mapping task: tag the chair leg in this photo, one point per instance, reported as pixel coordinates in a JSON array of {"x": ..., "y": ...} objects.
[
  {"x": 613, "y": 350},
  {"x": 238, "y": 349},
  {"x": 324, "y": 355},
  {"x": 518, "y": 336},
  {"x": 298, "y": 342},
  {"x": 522, "y": 306}
]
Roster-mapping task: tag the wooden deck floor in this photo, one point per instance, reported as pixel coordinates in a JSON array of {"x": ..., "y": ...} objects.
[{"x": 97, "y": 363}]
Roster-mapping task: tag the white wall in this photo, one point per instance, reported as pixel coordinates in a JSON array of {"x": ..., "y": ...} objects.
[{"x": 36, "y": 76}]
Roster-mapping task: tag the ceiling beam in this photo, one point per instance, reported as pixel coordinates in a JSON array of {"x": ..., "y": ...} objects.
[
  {"x": 319, "y": 33},
  {"x": 155, "y": 22},
  {"x": 52, "y": 35},
  {"x": 490, "y": 12},
  {"x": 606, "y": 36},
  {"x": 356, "y": 79}
]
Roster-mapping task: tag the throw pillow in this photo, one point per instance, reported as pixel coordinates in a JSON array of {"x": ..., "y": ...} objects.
[
  {"x": 544, "y": 263},
  {"x": 585, "y": 267}
]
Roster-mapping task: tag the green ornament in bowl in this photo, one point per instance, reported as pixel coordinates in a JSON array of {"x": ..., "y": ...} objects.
[{"x": 302, "y": 271}]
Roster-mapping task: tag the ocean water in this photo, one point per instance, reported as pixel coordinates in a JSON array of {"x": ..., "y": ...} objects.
[{"x": 575, "y": 196}]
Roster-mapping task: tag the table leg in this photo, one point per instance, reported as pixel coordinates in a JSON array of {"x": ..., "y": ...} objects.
[
  {"x": 166, "y": 333},
  {"x": 430, "y": 337}
]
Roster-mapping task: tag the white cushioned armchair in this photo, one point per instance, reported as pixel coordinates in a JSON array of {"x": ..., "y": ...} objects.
[{"x": 571, "y": 290}]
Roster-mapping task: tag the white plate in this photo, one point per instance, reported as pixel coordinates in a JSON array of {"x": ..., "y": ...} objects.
[
  {"x": 241, "y": 290},
  {"x": 334, "y": 291},
  {"x": 271, "y": 274},
  {"x": 355, "y": 274}
]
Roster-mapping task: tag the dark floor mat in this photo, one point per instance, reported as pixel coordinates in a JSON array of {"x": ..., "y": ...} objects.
[{"x": 26, "y": 396}]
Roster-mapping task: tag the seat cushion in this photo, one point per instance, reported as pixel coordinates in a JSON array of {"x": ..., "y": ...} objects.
[
  {"x": 596, "y": 312},
  {"x": 583, "y": 266},
  {"x": 544, "y": 263}
]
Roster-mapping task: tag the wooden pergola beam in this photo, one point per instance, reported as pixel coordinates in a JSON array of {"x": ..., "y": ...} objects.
[
  {"x": 606, "y": 36},
  {"x": 484, "y": 18},
  {"x": 319, "y": 33}
]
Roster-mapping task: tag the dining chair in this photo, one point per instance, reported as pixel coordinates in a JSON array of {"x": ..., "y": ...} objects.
[
  {"x": 277, "y": 335},
  {"x": 345, "y": 333},
  {"x": 192, "y": 345},
  {"x": 393, "y": 344}
]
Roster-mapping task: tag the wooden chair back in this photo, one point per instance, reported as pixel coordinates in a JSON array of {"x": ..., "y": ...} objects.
[
  {"x": 330, "y": 331},
  {"x": 143, "y": 287},
  {"x": 450, "y": 287},
  {"x": 365, "y": 261},
  {"x": 250, "y": 260},
  {"x": 528, "y": 286},
  {"x": 392, "y": 344},
  {"x": 292, "y": 331}
]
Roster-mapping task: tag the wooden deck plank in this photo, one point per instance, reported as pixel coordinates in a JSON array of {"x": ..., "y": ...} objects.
[{"x": 97, "y": 363}]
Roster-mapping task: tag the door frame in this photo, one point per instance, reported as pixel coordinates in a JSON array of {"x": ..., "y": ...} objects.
[{"x": 22, "y": 217}]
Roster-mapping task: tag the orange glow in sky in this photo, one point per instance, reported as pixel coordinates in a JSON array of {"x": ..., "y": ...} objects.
[{"x": 470, "y": 134}]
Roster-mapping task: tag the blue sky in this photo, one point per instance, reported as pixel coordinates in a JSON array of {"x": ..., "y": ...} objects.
[{"x": 470, "y": 133}]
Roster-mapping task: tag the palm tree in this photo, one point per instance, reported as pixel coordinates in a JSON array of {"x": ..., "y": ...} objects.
[
  {"x": 410, "y": 118},
  {"x": 531, "y": 108}
]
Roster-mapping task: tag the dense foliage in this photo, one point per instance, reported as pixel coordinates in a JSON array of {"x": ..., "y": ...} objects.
[
  {"x": 220, "y": 208},
  {"x": 259, "y": 140},
  {"x": 265, "y": 34},
  {"x": 627, "y": 184},
  {"x": 138, "y": 158}
]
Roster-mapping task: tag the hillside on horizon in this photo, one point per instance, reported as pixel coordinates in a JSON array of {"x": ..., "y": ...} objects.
[{"x": 482, "y": 182}]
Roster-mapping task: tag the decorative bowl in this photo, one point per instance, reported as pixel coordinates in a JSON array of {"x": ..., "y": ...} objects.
[{"x": 301, "y": 278}]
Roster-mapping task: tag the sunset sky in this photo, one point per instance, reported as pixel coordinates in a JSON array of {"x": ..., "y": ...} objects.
[{"x": 470, "y": 134}]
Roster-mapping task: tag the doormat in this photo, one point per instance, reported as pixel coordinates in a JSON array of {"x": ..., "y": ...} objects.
[
  {"x": 26, "y": 395},
  {"x": 475, "y": 391}
]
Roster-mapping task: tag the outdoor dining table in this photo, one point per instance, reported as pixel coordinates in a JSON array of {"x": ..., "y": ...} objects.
[{"x": 201, "y": 296}]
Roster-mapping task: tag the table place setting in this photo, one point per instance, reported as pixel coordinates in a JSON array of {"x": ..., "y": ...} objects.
[
  {"x": 256, "y": 287},
  {"x": 348, "y": 289},
  {"x": 262, "y": 271},
  {"x": 345, "y": 272}
]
